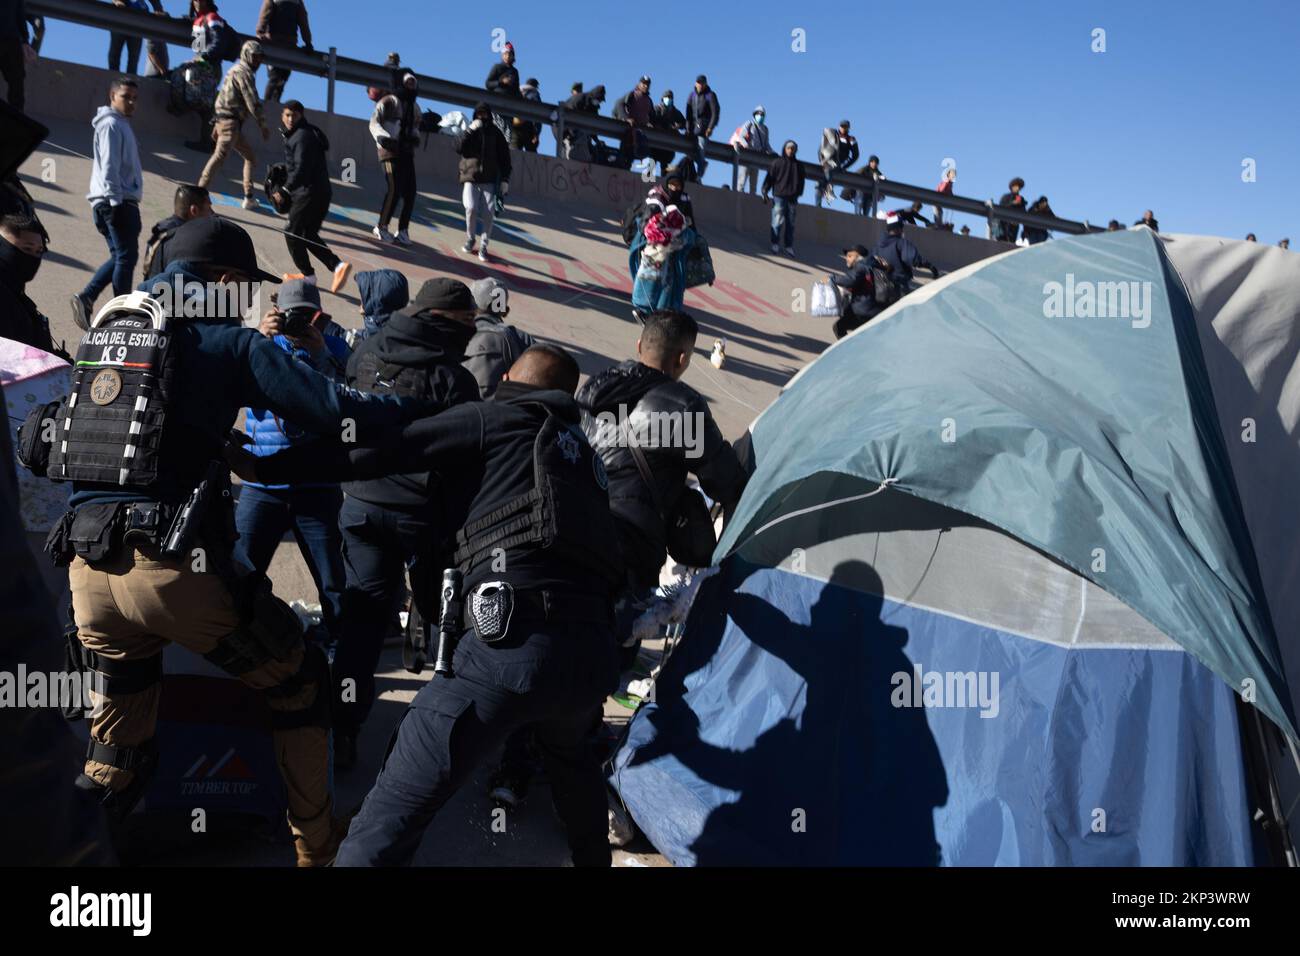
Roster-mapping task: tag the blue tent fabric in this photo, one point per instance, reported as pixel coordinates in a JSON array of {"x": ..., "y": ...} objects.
[
  {"x": 1083, "y": 437},
  {"x": 776, "y": 738}
]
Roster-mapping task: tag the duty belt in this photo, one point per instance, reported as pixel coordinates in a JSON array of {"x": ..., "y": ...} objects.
[
  {"x": 541, "y": 605},
  {"x": 146, "y": 521}
]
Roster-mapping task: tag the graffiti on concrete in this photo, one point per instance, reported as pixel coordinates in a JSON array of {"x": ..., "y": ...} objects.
[{"x": 542, "y": 274}]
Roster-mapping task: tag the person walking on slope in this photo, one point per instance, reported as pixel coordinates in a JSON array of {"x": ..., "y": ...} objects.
[
  {"x": 116, "y": 186},
  {"x": 484, "y": 176},
  {"x": 308, "y": 186},
  {"x": 237, "y": 101},
  {"x": 394, "y": 126},
  {"x": 785, "y": 180}
]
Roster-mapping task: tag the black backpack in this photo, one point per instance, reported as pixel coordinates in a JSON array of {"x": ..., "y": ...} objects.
[
  {"x": 882, "y": 279},
  {"x": 276, "y": 176},
  {"x": 632, "y": 222}
]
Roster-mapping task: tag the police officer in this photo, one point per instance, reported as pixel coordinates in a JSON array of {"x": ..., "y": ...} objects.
[
  {"x": 539, "y": 562},
  {"x": 647, "y": 472},
  {"x": 391, "y": 522},
  {"x": 148, "y": 539},
  {"x": 901, "y": 256}
]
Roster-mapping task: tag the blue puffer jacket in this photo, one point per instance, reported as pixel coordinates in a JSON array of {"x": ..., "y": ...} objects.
[
  {"x": 383, "y": 292},
  {"x": 271, "y": 433}
]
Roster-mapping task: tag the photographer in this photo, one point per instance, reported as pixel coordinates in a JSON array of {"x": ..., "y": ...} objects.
[{"x": 310, "y": 509}]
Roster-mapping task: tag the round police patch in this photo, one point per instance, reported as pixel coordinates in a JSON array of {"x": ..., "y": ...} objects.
[
  {"x": 105, "y": 386},
  {"x": 598, "y": 469}
]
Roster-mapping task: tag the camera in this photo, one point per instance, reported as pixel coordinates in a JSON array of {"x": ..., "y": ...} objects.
[{"x": 294, "y": 322}]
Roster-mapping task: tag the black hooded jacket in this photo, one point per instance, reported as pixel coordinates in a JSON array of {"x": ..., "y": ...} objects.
[
  {"x": 632, "y": 391},
  {"x": 304, "y": 158},
  {"x": 414, "y": 354},
  {"x": 785, "y": 178},
  {"x": 484, "y": 155}
]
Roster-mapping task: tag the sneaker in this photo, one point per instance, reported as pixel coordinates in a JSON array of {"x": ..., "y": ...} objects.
[
  {"x": 402, "y": 239},
  {"x": 80, "y": 311},
  {"x": 621, "y": 828},
  {"x": 382, "y": 234},
  {"x": 508, "y": 789},
  {"x": 468, "y": 247},
  {"x": 482, "y": 251},
  {"x": 789, "y": 251},
  {"x": 290, "y": 276},
  {"x": 341, "y": 273},
  {"x": 775, "y": 248},
  {"x": 249, "y": 202}
]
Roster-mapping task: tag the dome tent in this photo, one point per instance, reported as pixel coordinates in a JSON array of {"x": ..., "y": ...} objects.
[{"x": 1011, "y": 557}]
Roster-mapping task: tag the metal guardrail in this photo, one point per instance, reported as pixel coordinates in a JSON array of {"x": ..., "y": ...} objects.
[{"x": 337, "y": 69}]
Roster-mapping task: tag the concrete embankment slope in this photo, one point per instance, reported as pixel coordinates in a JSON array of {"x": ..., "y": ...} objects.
[{"x": 557, "y": 246}]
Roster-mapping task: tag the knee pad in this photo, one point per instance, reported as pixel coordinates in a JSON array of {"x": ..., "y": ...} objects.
[
  {"x": 268, "y": 630},
  {"x": 314, "y": 671},
  {"x": 142, "y": 761}
]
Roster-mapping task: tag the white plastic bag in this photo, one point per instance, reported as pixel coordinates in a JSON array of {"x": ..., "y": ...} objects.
[{"x": 825, "y": 299}]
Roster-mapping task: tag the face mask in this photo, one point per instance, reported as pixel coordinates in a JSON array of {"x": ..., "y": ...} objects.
[
  {"x": 22, "y": 264},
  {"x": 760, "y": 119},
  {"x": 668, "y": 101}
]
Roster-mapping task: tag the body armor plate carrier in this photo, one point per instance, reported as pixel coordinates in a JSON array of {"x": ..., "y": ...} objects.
[
  {"x": 111, "y": 426},
  {"x": 566, "y": 514}
]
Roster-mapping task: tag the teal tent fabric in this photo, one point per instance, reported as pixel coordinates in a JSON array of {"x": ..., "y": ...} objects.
[{"x": 1091, "y": 437}]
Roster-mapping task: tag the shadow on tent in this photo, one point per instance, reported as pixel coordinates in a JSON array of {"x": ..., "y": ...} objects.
[{"x": 846, "y": 739}]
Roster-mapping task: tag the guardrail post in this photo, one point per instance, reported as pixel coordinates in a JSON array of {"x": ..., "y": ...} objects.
[
  {"x": 875, "y": 197},
  {"x": 333, "y": 62},
  {"x": 559, "y": 125}
]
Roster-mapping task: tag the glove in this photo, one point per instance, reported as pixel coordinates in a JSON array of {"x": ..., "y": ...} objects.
[{"x": 476, "y": 124}]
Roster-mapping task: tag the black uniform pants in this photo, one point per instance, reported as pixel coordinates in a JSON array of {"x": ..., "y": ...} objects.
[
  {"x": 400, "y": 174},
  {"x": 550, "y": 677},
  {"x": 378, "y": 544},
  {"x": 306, "y": 214}
]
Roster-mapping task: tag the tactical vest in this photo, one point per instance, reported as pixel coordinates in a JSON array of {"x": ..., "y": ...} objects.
[
  {"x": 566, "y": 514},
  {"x": 111, "y": 425}
]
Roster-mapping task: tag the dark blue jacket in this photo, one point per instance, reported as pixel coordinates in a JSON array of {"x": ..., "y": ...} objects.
[
  {"x": 903, "y": 257},
  {"x": 271, "y": 433},
  {"x": 223, "y": 367},
  {"x": 383, "y": 292}
]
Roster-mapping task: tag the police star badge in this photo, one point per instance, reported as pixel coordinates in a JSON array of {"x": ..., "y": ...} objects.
[{"x": 568, "y": 446}]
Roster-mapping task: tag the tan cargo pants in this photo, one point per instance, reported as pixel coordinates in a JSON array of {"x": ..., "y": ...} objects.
[
  {"x": 128, "y": 607},
  {"x": 229, "y": 134}
]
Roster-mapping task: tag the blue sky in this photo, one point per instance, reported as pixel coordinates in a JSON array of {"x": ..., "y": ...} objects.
[{"x": 1163, "y": 119}]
